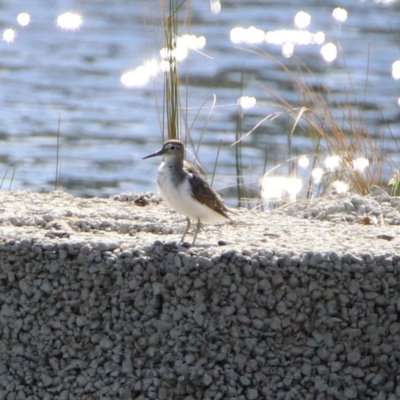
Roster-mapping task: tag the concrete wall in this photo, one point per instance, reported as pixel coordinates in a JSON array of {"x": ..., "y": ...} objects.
[{"x": 93, "y": 321}]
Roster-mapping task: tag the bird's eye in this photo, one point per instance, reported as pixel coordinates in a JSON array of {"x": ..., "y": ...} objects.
[{"x": 172, "y": 147}]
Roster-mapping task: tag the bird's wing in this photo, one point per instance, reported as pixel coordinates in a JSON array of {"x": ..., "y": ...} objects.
[
  {"x": 204, "y": 194},
  {"x": 194, "y": 169}
]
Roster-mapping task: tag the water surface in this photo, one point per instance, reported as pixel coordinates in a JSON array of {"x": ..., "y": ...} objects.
[{"x": 56, "y": 79}]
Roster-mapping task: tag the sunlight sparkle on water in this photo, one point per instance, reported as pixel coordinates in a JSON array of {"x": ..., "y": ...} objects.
[
  {"x": 8, "y": 35},
  {"x": 340, "y": 187},
  {"x": 287, "y": 49},
  {"x": 302, "y": 19},
  {"x": 300, "y": 37},
  {"x": 251, "y": 35},
  {"x": 332, "y": 162},
  {"x": 360, "y": 163},
  {"x": 191, "y": 42},
  {"x": 178, "y": 54},
  {"x": 280, "y": 37},
  {"x": 303, "y": 162},
  {"x": 23, "y": 19},
  {"x": 70, "y": 21},
  {"x": 340, "y": 14},
  {"x": 319, "y": 37},
  {"x": 293, "y": 188},
  {"x": 215, "y": 6},
  {"x": 141, "y": 75},
  {"x": 329, "y": 52},
  {"x": 247, "y": 101},
  {"x": 137, "y": 77},
  {"x": 317, "y": 174},
  {"x": 396, "y": 69},
  {"x": 152, "y": 66},
  {"x": 277, "y": 187},
  {"x": 164, "y": 66},
  {"x": 184, "y": 43}
]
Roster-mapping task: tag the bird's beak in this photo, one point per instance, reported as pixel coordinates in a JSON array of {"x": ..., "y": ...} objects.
[{"x": 158, "y": 153}]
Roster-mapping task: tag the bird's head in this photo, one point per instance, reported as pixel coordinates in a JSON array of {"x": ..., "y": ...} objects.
[{"x": 170, "y": 149}]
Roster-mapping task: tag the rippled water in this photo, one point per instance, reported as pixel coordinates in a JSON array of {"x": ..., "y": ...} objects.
[{"x": 52, "y": 77}]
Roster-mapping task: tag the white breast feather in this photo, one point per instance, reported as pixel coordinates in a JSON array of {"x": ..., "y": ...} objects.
[{"x": 180, "y": 199}]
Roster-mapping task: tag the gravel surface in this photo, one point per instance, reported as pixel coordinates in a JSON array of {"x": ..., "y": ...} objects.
[{"x": 97, "y": 300}]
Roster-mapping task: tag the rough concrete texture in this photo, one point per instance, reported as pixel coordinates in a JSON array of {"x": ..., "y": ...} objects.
[{"x": 98, "y": 302}]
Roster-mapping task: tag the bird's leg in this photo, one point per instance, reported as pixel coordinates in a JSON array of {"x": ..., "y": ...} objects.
[
  {"x": 187, "y": 228},
  {"x": 197, "y": 230}
]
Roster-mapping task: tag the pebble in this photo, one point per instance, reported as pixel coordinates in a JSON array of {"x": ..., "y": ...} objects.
[
  {"x": 277, "y": 279},
  {"x": 353, "y": 357},
  {"x": 252, "y": 394}
]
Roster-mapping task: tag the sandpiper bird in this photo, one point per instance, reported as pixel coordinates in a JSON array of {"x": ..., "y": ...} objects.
[{"x": 184, "y": 189}]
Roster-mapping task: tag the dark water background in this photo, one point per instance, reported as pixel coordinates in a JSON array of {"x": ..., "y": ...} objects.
[{"x": 48, "y": 73}]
